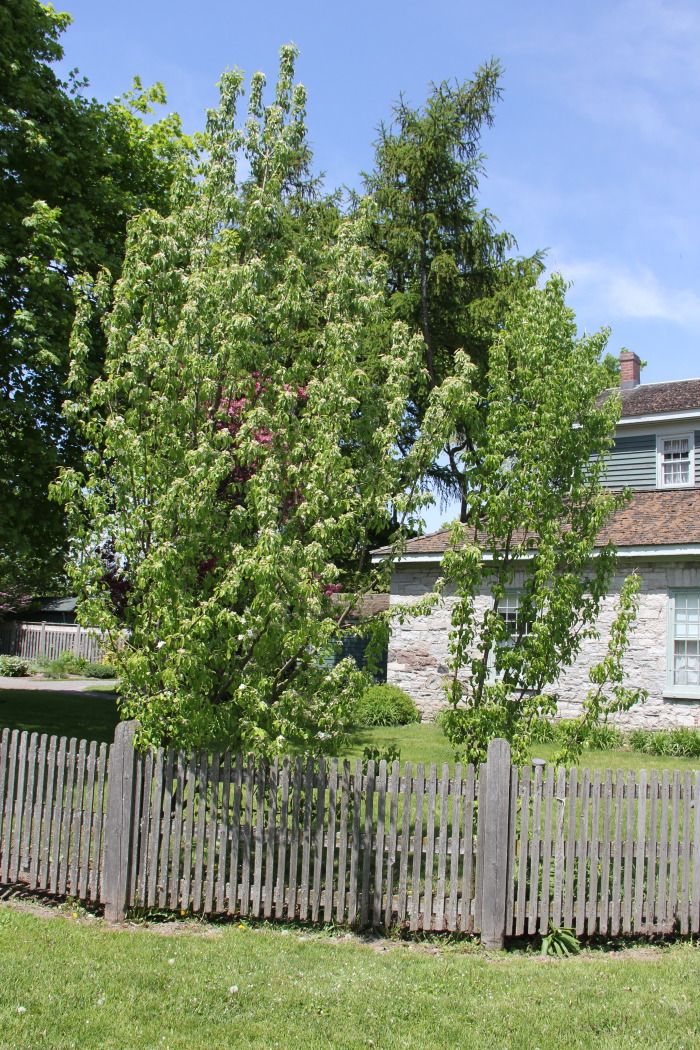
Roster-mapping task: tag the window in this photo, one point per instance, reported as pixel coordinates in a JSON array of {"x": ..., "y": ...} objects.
[
  {"x": 508, "y": 610},
  {"x": 684, "y": 643},
  {"x": 676, "y": 466}
]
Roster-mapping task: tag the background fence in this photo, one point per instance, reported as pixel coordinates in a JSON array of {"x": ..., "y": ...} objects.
[
  {"x": 31, "y": 640},
  {"x": 492, "y": 850}
]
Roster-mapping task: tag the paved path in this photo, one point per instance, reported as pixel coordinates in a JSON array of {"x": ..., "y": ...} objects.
[{"x": 65, "y": 685}]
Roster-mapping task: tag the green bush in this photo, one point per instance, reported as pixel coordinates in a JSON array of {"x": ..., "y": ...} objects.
[
  {"x": 673, "y": 743},
  {"x": 385, "y": 705},
  {"x": 605, "y": 738},
  {"x": 13, "y": 667},
  {"x": 99, "y": 671}
]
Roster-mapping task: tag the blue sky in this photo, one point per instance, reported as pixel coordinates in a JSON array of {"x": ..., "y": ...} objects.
[{"x": 595, "y": 151}]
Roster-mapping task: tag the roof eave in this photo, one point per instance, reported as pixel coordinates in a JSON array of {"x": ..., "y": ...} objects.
[{"x": 645, "y": 551}]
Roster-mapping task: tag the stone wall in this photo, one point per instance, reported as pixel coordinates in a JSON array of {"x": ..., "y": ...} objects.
[{"x": 418, "y": 648}]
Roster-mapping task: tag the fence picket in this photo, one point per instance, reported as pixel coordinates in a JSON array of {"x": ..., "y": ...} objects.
[
  {"x": 355, "y": 846},
  {"x": 392, "y": 841},
  {"x": 429, "y": 850},
  {"x": 295, "y": 839},
  {"x": 259, "y": 838},
  {"x": 271, "y": 840},
  {"x": 439, "y": 907},
  {"x": 582, "y": 855},
  {"x": 535, "y": 851},
  {"x": 330, "y": 842},
  {"x": 57, "y": 815},
  {"x": 377, "y": 895},
  {"x": 306, "y": 840},
  {"x": 77, "y": 806},
  {"x": 178, "y": 828},
  {"x": 318, "y": 838},
  {"x": 685, "y": 857},
  {"x": 592, "y": 908},
  {"x": 282, "y": 840},
  {"x": 454, "y": 847},
  {"x": 628, "y": 855},
  {"x": 343, "y": 844},
  {"x": 650, "y": 896},
  {"x": 164, "y": 864},
  {"x": 544, "y": 909},
  {"x": 417, "y": 846},
  {"x": 616, "y": 909},
  {"x": 86, "y": 830},
  {"x": 224, "y": 832},
  {"x": 7, "y": 838},
  {"x": 558, "y": 895},
  {"x": 605, "y": 855},
  {"x": 28, "y": 805},
  {"x": 156, "y": 829},
  {"x": 233, "y": 894},
  {"x": 212, "y": 833},
  {"x": 467, "y": 911},
  {"x": 38, "y": 826},
  {"x": 695, "y": 915},
  {"x": 570, "y": 848},
  {"x": 661, "y": 908},
  {"x": 367, "y": 842},
  {"x": 672, "y": 903},
  {"x": 402, "y": 898}
]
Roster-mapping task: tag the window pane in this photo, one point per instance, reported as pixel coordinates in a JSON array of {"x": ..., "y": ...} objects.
[
  {"x": 687, "y": 616},
  {"x": 686, "y": 643},
  {"x": 676, "y": 461},
  {"x": 686, "y": 660}
]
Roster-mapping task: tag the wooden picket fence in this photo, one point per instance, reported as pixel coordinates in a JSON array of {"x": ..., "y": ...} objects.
[
  {"x": 494, "y": 850},
  {"x": 33, "y": 640}
]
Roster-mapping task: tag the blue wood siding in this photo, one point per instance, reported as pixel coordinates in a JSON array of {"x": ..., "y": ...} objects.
[{"x": 632, "y": 462}]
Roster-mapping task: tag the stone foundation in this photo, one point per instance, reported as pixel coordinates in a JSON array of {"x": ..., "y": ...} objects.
[{"x": 418, "y": 648}]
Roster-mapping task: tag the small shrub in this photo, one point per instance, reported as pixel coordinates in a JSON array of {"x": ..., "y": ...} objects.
[
  {"x": 670, "y": 743},
  {"x": 99, "y": 671},
  {"x": 543, "y": 731},
  {"x": 385, "y": 705},
  {"x": 13, "y": 667},
  {"x": 604, "y": 738}
]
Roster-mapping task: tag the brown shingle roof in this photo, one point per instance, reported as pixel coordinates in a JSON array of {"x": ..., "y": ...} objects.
[
  {"x": 650, "y": 519},
  {"x": 648, "y": 398}
]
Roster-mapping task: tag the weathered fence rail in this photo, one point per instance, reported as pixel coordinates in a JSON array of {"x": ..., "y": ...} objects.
[
  {"x": 493, "y": 850},
  {"x": 32, "y": 640}
]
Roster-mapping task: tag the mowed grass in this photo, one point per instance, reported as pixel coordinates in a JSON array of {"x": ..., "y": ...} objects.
[
  {"x": 93, "y": 717},
  {"x": 75, "y": 983},
  {"x": 59, "y": 713},
  {"x": 427, "y": 743}
]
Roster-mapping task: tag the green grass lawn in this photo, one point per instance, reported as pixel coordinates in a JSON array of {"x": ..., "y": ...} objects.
[
  {"x": 427, "y": 743},
  {"x": 60, "y": 713},
  {"x": 93, "y": 717},
  {"x": 75, "y": 983}
]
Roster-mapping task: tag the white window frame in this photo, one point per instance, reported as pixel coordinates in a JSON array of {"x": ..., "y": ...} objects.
[
  {"x": 504, "y": 643},
  {"x": 679, "y": 690},
  {"x": 660, "y": 439}
]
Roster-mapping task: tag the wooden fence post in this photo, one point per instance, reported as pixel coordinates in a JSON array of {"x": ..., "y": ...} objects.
[
  {"x": 494, "y": 797},
  {"x": 119, "y": 822}
]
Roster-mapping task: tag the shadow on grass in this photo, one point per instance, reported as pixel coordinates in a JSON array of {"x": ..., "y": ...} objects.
[{"x": 87, "y": 716}]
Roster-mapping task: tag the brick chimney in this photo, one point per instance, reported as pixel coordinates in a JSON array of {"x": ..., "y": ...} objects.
[{"x": 629, "y": 369}]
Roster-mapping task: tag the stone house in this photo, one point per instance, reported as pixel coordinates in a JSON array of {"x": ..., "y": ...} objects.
[{"x": 657, "y": 454}]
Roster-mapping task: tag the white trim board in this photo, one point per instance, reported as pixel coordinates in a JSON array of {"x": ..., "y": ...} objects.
[{"x": 684, "y": 551}]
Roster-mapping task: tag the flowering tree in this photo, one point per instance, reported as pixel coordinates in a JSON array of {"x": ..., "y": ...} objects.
[{"x": 241, "y": 441}]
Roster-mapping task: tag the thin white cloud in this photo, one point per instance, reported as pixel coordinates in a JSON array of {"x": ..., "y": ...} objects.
[{"x": 609, "y": 290}]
